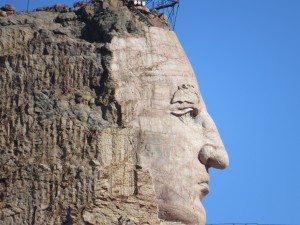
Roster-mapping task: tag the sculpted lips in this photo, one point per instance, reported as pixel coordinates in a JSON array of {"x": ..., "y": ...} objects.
[
  {"x": 203, "y": 189},
  {"x": 202, "y": 186}
]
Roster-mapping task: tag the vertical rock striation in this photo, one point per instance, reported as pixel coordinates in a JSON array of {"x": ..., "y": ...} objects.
[
  {"x": 66, "y": 157},
  {"x": 101, "y": 120}
]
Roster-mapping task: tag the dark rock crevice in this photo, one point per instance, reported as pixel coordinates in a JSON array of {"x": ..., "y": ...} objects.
[{"x": 102, "y": 26}]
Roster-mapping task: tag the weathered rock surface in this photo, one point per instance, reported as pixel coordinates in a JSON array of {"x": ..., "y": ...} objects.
[
  {"x": 92, "y": 107},
  {"x": 7, "y": 10}
]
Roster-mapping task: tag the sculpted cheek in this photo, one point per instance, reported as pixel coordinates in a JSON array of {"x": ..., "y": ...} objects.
[{"x": 167, "y": 112}]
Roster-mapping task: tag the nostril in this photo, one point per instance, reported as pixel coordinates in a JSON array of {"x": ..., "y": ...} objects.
[
  {"x": 213, "y": 157},
  {"x": 205, "y": 154}
]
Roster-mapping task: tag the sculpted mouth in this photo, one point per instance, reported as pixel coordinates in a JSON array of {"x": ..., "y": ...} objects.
[{"x": 203, "y": 189}]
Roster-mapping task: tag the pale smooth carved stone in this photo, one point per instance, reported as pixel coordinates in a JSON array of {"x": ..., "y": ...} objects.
[
  {"x": 178, "y": 140},
  {"x": 101, "y": 122}
]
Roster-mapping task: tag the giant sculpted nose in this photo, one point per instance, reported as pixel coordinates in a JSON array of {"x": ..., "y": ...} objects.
[{"x": 212, "y": 153}]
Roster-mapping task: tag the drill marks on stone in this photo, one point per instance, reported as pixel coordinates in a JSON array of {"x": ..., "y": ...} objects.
[{"x": 115, "y": 145}]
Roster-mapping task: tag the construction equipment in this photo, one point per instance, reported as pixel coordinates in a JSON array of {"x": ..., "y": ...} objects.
[
  {"x": 27, "y": 5},
  {"x": 168, "y": 7}
]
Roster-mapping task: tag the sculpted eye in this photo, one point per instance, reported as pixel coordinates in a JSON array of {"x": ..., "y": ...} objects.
[
  {"x": 185, "y": 101},
  {"x": 193, "y": 112}
]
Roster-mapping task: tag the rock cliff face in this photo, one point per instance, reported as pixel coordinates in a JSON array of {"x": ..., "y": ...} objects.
[
  {"x": 82, "y": 102},
  {"x": 64, "y": 149}
]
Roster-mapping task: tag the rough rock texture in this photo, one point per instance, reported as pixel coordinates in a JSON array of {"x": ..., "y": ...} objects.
[
  {"x": 96, "y": 106},
  {"x": 7, "y": 10}
]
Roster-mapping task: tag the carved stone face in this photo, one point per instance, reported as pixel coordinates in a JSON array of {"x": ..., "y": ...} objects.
[{"x": 177, "y": 139}]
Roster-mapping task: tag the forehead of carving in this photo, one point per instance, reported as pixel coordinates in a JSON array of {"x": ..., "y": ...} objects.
[{"x": 186, "y": 93}]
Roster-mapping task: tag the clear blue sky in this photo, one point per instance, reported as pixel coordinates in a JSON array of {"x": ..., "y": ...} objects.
[{"x": 246, "y": 54}]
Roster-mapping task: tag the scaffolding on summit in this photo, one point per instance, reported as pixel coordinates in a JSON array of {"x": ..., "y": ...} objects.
[{"x": 167, "y": 7}]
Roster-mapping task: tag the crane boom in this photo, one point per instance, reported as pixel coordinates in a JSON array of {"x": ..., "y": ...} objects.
[{"x": 166, "y": 6}]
